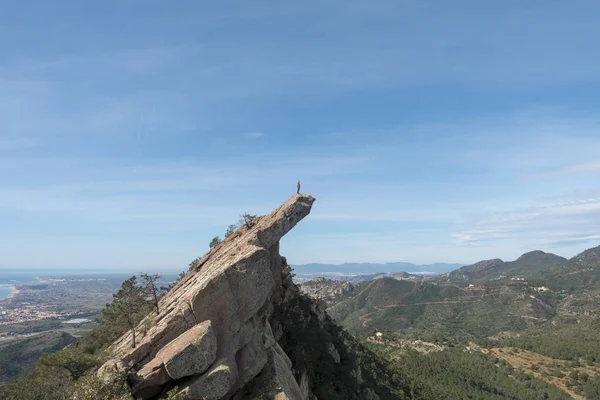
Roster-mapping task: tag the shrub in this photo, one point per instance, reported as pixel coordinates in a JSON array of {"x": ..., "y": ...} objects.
[
  {"x": 111, "y": 387},
  {"x": 214, "y": 242}
]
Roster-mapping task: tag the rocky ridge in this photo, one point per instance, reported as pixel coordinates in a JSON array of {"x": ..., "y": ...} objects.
[
  {"x": 235, "y": 328},
  {"x": 326, "y": 289}
]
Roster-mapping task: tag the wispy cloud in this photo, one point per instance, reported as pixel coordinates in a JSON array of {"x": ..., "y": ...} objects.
[
  {"x": 547, "y": 226},
  {"x": 154, "y": 191},
  {"x": 575, "y": 169},
  {"x": 577, "y": 240},
  {"x": 402, "y": 116}
]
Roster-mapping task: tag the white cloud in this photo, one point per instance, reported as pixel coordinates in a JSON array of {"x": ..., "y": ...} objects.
[
  {"x": 102, "y": 190},
  {"x": 551, "y": 225},
  {"x": 591, "y": 166}
]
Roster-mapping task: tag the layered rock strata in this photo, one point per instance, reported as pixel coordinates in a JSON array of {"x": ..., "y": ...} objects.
[{"x": 212, "y": 335}]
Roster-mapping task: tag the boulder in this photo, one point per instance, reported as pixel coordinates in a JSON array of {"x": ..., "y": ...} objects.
[
  {"x": 150, "y": 380},
  {"x": 214, "y": 384},
  {"x": 251, "y": 359},
  {"x": 276, "y": 380},
  {"x": 218, "y": 311},
  {"x": 190, "y": 353}
]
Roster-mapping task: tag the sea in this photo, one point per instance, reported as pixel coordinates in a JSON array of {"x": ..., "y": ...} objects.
[{"x": 9, "y": 278}]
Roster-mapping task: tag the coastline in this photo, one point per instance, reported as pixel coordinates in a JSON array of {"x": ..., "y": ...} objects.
[{"x": 13, "y": 292}]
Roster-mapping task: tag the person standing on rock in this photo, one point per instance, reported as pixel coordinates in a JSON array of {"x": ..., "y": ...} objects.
[{"x": 298, "y": 186}]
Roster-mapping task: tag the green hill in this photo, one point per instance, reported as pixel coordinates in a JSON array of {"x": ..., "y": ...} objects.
[
  {"x": 16, "y": 358},
  {"x": 528, "y": 265},
  {"x": 581, "y": 272},
  {"x": 533, "y": 293},
  {"x": 538, "y": 307},
  {"x": 430, "y": 310}
]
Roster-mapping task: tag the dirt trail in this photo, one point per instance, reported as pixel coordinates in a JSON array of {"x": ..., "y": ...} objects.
[
  {"x": 365, "y": 319},
  {"x": 468, "y": 299},
  {"x": 524, "y": 360}
]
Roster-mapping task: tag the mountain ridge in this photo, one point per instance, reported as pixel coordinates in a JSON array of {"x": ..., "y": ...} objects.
[
  {"x": 527, "y": 264},
  {"x": 370, "y": 268},
  {"x": 236, "y": 327},
  {"x": 535, "y": 291}
]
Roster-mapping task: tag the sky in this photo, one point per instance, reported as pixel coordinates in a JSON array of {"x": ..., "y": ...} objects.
[{"x": 133, "y": 131}]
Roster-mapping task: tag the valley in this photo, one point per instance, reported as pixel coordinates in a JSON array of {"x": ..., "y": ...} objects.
[
  {"x": 569, "y": 376},
  {"x": 45, "y": 314},
  {"x": 526, "y": 329},
  {"x": 538, "y": 315}
]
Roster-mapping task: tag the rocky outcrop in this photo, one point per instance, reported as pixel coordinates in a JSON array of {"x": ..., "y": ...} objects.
[
  {"x": 223, "y": 332},
  {"x": 212, "y": 335},
  {"x": 326, "y": 289},
  {"x": 191, "y": 353}
]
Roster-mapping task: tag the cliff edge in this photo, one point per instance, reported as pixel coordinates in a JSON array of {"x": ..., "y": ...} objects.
[{"x": 224, "y": 329}]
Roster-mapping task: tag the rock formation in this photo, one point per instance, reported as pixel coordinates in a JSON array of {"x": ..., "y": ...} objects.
[
  {"x": 326, "y": 289},
  {"x": 219, "y": 330}
]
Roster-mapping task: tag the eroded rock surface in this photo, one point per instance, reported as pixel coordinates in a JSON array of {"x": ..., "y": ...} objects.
[
  {"x": 237, "y": 327},
  {"x": 212, "y": 335},
  {"x": 326, "y": 289},
  {"x": 191, "y": 353}
]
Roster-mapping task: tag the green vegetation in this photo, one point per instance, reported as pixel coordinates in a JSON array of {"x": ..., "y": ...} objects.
[
  {"x": 166, "y": 289},
  {"x": 23, "y": 328},
  {"x": 540, "y": 303},
  {"x": 214, "y": 242},
  {"x": 128, "y": 307},
  {"x": 91, "y": 387},
  {"x": 195, "y": 263},
  {"x": 431, "y": 311},
  {"x": 537, "y": 294},
  {"x": 248, "y": 220},
  {"x": 590, "y": 388},
  {"x": 458, "y": 374},
  {"x": 567, "y": 342},
  {"x": 71, "y": 370},
  {"x": 538, "y": 337},
  {"x": 151, "y": 290},
  {"x": 54, "y": 376},
  {"x": 19, "y": 357},
  {"x": 313, "y": 344},
  {"x": 539, "y": 269},
  {"x": 528, "y": 265},
  {"x": 230, "y": 229}
]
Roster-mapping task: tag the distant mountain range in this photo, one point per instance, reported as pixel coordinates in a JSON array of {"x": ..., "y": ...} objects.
[
  {"x": 529, "y": 264},
  {"x": 373, "y": 268},
  {"x": 581, "y": 271},
  {"x": 537, "y": 292}
]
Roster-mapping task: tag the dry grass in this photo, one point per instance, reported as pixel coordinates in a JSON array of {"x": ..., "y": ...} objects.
[{"x": 543, "y": 367}]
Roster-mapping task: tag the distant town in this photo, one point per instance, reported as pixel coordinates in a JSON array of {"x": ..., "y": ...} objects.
[{"x": 48, "y": 304}]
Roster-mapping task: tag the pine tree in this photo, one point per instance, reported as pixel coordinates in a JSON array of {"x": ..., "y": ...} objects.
[
  {"x": 230, "y": 229},
  {"x": 170, "y": 286},
  {"x": 151, "y": 290},
  {"x": 215, "y": 241},
  {"x": 128, "y": 306}
]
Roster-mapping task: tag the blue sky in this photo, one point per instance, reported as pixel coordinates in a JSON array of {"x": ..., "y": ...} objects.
[{"x": 134, "y": 131}]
